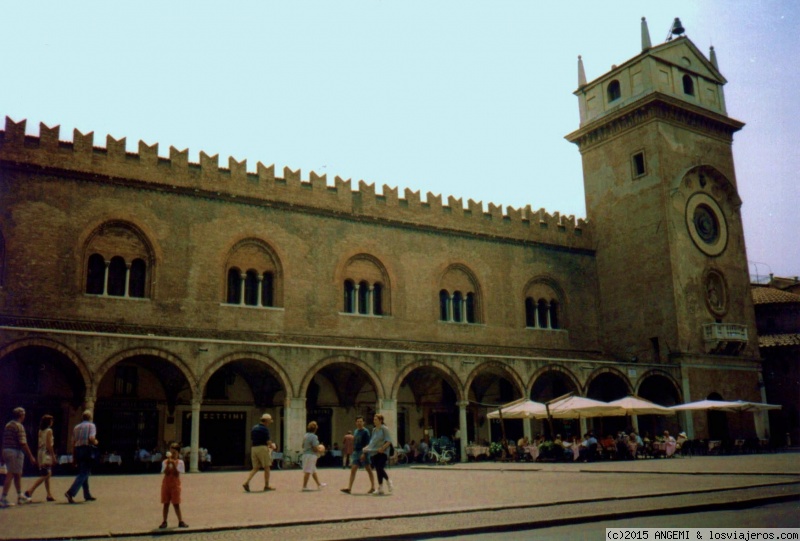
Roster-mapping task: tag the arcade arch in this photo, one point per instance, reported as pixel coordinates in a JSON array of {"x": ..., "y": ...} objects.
[
  {"x": 606, "y": 385},
  {"x": 43, "y": 378},
  {"x": 549, "y": 383},
  {"x": 427, "y": 393},
  {"x": 489, "y": 385},
  {"x": 660, "y": 388}
]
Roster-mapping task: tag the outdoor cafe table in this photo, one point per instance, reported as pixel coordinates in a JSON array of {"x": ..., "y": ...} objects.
[{"x": 475, "y": 451}]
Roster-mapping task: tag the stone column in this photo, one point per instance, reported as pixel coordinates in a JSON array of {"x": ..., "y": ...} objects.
[
  {"x": 462, "y": 429},
  {"x": 260, "y": 289},
  {"x": 295, "y": 419},
  {"x": 688, "y": 420},
  {"x": 105, "y": 278},
  {"x": 127, "y": 279},
  {"x": 371, "y": 300},
  {"x": 450, "y": 307},
  {"x": 194, "y": 458},
  {"x": 241, "y": 289}
]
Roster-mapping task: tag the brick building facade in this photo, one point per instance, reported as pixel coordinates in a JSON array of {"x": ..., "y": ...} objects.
[{"x": 181, "y": 300}]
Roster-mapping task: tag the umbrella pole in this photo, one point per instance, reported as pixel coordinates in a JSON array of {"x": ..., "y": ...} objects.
[
  {"x": 503, "y": 441},
  {"x": 549, "y": 420}
]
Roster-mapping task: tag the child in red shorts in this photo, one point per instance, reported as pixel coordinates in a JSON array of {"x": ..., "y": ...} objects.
[{"x": 172, "y": 468}]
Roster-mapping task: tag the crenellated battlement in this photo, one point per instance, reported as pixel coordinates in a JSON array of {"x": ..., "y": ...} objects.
[{"x": 209, "y": 179}]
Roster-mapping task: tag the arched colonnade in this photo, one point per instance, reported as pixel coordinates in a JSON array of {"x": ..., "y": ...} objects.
[{"x": 147, "y": 395}]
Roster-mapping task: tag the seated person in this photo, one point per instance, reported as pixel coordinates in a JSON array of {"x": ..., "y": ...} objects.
[
  {"x": 588, "y": 447},
  {"x": 671, "y": 444},
  {"x": 609, "y": 442},
  {"x": 682, "y": 438},
  {"x": 633, "y": 445}
]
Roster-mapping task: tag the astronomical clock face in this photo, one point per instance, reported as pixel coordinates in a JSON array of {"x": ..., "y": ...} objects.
[{"x": 706, "y": 224}]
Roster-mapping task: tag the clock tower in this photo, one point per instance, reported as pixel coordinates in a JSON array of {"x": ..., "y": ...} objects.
[{"x": 661, "y": 194}]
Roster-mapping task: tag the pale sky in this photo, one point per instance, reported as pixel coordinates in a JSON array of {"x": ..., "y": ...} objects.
[{"x": 463, "y": 98}]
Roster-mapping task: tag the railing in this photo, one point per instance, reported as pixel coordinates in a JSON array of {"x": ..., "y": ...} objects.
[{"x": 724, "y": 338}]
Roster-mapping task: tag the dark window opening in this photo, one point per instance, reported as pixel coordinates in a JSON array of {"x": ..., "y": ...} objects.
[
  {"x": 444, "y": 300},
  {"x": 126, "y": 381},
  {"x": 614, "y": 91},
  {"x": 470, "y": 307},
  {"x": 268, "y": 289},
  {"x": 554, "y": 323},
  {"x": 688, "y": 85},
  {"x": 656, "y": 348},
  {"x": 377, "y": 300},
  {"x": 234, "y": 286},
  {"x": 638, "y": 164},
  {"x": 457, "y": 315},
  {"x": 349, "y": 296},
  {"x": 530, "y": 312},
  {"x": 137, "y": 278},
  {"x": 116, "y": 277},
  {"x": 251, "y": 288},
  {"x": 542, "y": 309},
  {"x": 363, "y": 297},
  {"x": 96, "y": 275}
]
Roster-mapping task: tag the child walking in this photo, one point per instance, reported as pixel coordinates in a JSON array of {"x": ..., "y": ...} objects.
[{"x": 172, "y": 468}]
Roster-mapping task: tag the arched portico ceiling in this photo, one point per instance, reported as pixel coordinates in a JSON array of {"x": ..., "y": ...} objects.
[
  {"x": 552, "y": 381},
  {"x": 347, "y": 375},
  {"x": 659, "y": 387},
  {"x": 170, "y": 369},
  {"x": 27, "y": 361},
  {"x": 488, "y": 373},
  {"x": 425, "y": 378},
  {"x": 261, "y": 372},
  {"x": 607, "y": 384}
]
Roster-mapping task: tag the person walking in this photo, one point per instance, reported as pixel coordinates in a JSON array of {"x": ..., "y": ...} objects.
[
  {"x": 172, "y": 467},
  {"x": 347, "y": 448},
  {"x": 311, "y": 451},
  {"x": 360, "y": 440},
  {"x": 378, "y": 444},
  {"x": 84, "y": 439},
  {"x": 15, "y": 447},
  {"x": 261, "y": 451},
  {"x": 46, "y": 456}
]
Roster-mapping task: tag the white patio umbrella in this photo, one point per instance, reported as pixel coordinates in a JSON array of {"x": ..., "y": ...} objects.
[
  {"x": 518, "y": 409},
  {"x": 736, "y": 406},
  {"x": 634, "y": 405},
  {"x": 576, "y": 407}
]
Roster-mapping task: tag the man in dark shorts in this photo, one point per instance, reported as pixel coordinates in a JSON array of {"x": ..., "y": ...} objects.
[{"x": 361, "y": 438}]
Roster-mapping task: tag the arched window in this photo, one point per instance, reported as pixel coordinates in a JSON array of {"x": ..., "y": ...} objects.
[
  {"x": 349, "y": 296},
  {"x": 688, "y": 85},
  {"x": 367, "y": 291},
  {"x": 234, "y": 286},
  {"x": 96, "y": 275},
  {"x": 463, "y": 305},
  {"x": 444, "y": 305},
  {"x": 251, "y": 288},
  {"x": 261, "y": 285},
  {"x": 363, "y": 297},
  {"x": 530, "y": 312},
  {"x": 118, "y": 261},
  {"x": 117, "y": 273},
  {"x": 138, "y": 273},
  {"x": 377, "y": 300},
  {"x": 268, "y": 289},
  {"x": 614, "y": 92},
  {"x": 544, "y": 304}
]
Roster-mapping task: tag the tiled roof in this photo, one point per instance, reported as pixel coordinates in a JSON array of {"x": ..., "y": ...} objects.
[
  {"x": 768, "y": 295},
  {"x": 778, "y": 340}
]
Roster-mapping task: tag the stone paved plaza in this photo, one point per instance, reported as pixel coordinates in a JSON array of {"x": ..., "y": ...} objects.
[{"x": 426, "y": 500}]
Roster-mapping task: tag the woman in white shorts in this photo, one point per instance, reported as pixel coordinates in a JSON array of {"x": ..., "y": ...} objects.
[{"x": 311, "y": 448}]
